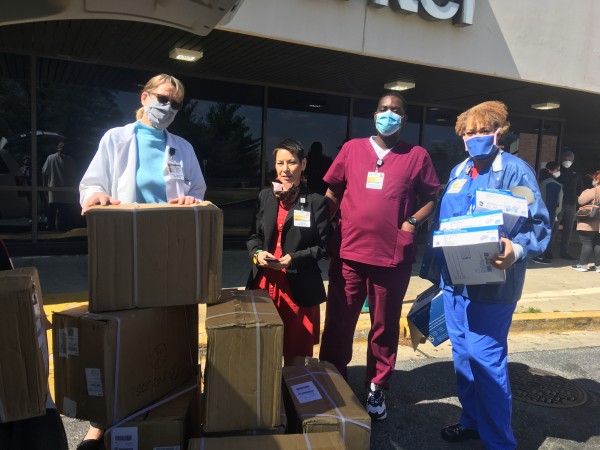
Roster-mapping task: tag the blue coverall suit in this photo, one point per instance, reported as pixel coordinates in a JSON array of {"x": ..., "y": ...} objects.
[{"x": 478, "y": 317}]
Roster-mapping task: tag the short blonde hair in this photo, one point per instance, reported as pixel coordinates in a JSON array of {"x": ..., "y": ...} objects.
[
  {"x": 492, "y": 113},
  {"x": 155, "y": 82}
]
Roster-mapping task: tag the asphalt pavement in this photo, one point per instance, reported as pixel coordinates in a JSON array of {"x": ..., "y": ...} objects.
[{"x": 554, "y": 342}]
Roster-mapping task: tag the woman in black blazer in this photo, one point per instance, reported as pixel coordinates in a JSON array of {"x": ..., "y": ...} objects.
[{"x": 287, "y": 240}]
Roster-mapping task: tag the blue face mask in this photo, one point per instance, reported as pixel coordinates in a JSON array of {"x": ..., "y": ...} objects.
[
  {"x": 481, "y": 147},
  {"x": 387, "y": 123}
]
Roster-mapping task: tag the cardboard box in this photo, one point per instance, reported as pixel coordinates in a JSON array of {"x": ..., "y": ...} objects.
[
  {"x": 163, "y": 425},
  {"x": 318, "y": 399},
  {"x": 478, "y": 219},
  {"x": 110, "y": 365},
  {"x": 154, "y": 255},
  {"x": 466, "y": 252},
  {"x": 515, "y": 209},
  {"x": 312, "y": 441},
  {"x": 23, "y": 348},
  {"x": 427, "y": 318},
  {"x": 242, "y": 378}
]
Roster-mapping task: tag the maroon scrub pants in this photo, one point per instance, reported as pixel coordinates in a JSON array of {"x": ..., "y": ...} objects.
[{"x": 349, "y": 283}]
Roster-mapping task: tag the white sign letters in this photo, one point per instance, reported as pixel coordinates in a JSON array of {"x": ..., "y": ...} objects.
[{"x": 461, "y": 12}]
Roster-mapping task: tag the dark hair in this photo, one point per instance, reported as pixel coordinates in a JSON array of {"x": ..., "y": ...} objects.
[
  {"x": 552, "y": 165},
  {"x": 292, "y": 146},
  {"x": 394, "y": 94}
]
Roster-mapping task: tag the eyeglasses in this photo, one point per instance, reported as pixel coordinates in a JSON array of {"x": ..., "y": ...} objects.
[{"x": 164, "y": 100}]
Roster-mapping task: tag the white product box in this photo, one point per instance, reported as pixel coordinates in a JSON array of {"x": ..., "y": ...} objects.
[
  {"x": 478, "y": 219},
  {"x": 466, "y": 252},
  {"x": 514, "y": 208}
]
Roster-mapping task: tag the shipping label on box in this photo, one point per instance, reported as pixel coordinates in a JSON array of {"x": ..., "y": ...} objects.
[
  {"x": 318, "y": 399},
  {"x": 162, "y": 425},
  {"x": 310, "y": 441},
  {"x": 515, "y": 209},
  {"x": 110, "y": 365},
  {"x": 427, "y": 318},
  {"x": 151, "y": 255},
  {"x": 466, "y": 253},
  {"x": 243, "y": 363},
  {"x": 23, "y": 348}
]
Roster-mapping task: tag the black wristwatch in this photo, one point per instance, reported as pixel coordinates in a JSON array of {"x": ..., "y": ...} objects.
[{"x": 413, "y": 221}]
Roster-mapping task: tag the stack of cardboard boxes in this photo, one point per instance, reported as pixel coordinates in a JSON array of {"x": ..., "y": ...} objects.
[{"x": 130, "y": 360}]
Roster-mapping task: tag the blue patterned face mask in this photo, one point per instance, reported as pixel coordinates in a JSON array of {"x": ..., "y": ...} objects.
[
  {"x": 387, "y": 123},
  {"x": 481, "y": 147}
]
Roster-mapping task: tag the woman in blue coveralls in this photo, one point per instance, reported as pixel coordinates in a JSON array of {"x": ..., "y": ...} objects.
[{"x": 478, "y": 317}]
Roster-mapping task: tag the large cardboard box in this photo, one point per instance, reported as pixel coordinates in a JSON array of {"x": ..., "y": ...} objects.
[
  {"x": 163, "y": 425},
  {"x": 110, "y": 365},
  {"x": 242, "y": 378},
  {"x": 311, "y": 441},
  {"x": 318, "y": 399},
  {"x": 466, "y": 252},
  {"x": 154, "y": 255},
  {"x": 427, "y": 318},
  {"x": 23, "y": 346}
]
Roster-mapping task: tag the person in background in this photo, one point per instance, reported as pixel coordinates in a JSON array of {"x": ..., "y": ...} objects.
[
  {"x": 59, "y": 171},
  {"x": 385, "y": 188},
  {"x": 589, "y": 230},
  {"x": 317, "y": 165},
  {"x": 142, "y": 162},
  {"x": 287, "y": 240},
  {"x": 478, "y": 317},
  {"x": 552, "y": 195},
  {"x": 572, "y": 186}
]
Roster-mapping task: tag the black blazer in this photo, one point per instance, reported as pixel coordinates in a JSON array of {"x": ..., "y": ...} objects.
[{"x": 306, "y": 245}]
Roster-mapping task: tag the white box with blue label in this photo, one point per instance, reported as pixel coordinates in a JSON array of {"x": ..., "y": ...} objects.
[
  {"x": 427, "y": 318},
  {"x": 514, "y": 208},
  {"x": 466, "y": 252},
  {"x": 478, "y": 219}
]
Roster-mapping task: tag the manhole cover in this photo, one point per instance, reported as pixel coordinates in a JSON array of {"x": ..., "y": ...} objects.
[{"x": 544, "y": 388}]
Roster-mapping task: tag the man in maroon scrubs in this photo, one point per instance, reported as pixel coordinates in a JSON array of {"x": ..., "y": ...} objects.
[{"x": 385, "y": 188}]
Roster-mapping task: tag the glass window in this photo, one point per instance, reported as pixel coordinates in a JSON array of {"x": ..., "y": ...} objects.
[
  {"x": 439, "y": 138},
  {"x": 522, "y": 138},
  {"x": 549, "y": 149}
]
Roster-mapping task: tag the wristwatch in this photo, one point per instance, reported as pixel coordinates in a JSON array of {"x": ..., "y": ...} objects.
[{"x": 413, "y": 221}]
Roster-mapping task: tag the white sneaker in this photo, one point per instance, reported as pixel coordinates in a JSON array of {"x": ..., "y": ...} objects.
[
  {"x": 376, "y": 403},
  {"x": 580, "y": 268}
]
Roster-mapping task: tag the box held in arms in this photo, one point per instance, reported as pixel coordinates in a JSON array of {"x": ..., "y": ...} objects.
[
  {"x": 143, "y": 255},
  {"x": 515, "y": 209},
  {"x": 110, "y": 365},
  {"x": 310, "y": 441},
  {"x": 23, "y": 348},
  {"x": 478, "y": 219},
  {"x": 243, "y": 363},
  {"x": 163, "y": 425},
  {"x": 318, "y": 399},
  {"x": 466, "y": 252},
  {"x": 427, "y": 318}
]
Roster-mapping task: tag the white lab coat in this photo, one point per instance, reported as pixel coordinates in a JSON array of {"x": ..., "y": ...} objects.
[{"x": 113, "y": 169}]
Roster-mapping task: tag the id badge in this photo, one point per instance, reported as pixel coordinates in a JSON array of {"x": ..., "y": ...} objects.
[
  {"x": 176, "y": 171},
  {"x": 456, "y": 186},
  {"x": 301, "y": 218},
  {"x": 375, "y": 180}
]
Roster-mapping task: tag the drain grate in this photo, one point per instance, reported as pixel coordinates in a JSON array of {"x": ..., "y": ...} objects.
[{"x": 544, "y": 388}]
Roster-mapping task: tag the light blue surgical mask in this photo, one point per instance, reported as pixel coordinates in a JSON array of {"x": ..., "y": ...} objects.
[
  {"x": 159, "y": 115},
  {"x": 388, "y": 122},
  {"x": 481, "y": 147}
]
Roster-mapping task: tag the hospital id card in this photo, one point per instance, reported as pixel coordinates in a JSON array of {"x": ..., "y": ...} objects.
[
  {"x": 456, "y": 186},
  {"x": 375, "y": 180},
  {"x": 176, "y": 171},
  {"x": 301, "y": 218}
]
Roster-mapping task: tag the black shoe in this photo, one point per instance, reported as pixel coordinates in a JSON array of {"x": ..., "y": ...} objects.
[
  {"x": 541, "y": 260},
  {"x": 567, "y": 257},
  {"x": 91, "y": 444},
  {"x": 376, "y": 403},
  {"x": 458, "y": 433}
]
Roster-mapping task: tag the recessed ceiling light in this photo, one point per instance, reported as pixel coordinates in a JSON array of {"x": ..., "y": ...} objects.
[
  {"x": 399, "y": 85},
  {"x": 315, "y": 105},
  {"x": 546, "y": 105},
  {"x": 182, "y": 54}
]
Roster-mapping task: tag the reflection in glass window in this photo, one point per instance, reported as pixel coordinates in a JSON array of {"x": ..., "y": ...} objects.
[
  {"x": 522, "y": 139},
  {"x": 439, "y": 138}
]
